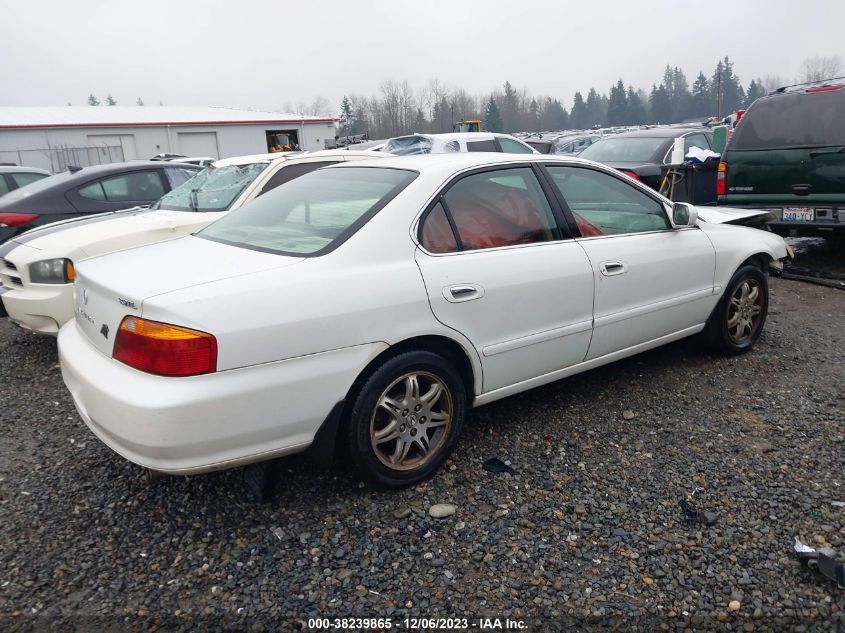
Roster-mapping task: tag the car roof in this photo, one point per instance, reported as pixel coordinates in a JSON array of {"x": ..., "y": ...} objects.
[
  {"x": 660, "y": 132},
  {"x": 446, "y": 164},
  {"x": 96, "y": 171},
  {"x": 281, "y": 157},
  {"x": 15, "y": 169}
]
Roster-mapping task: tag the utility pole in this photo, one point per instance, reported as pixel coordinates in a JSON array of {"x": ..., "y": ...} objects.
[{"x": 719, "y": 96}]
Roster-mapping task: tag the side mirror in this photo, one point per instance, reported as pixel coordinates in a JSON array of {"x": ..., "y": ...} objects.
[{"x": 683, "y": 214}]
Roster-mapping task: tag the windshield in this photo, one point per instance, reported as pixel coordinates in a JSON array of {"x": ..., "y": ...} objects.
[
  {"x": 793, "y": 120},
  {"x": 404, "y": 145},
  {"x": 633, "y": 149},
  {"x": 212, "y": 189},
  {"x": 311, "y": 213}
]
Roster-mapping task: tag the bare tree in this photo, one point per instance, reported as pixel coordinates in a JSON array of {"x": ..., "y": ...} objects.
[
  {"x": 320, "y": 107},
  {"x": 818, "y": 67}
]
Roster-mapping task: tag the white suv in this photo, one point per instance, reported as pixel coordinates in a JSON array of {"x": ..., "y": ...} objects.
[{"x": 456, "y": 142}]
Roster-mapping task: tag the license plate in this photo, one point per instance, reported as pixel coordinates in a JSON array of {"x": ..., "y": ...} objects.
[{"x": 798, "y": 214}]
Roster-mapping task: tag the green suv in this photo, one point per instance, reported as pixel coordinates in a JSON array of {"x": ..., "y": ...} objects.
[{"x": 787, "y": 155}]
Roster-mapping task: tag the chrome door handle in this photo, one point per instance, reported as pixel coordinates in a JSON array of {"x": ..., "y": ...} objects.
[
  {"x": 608, "y": 269},
  {"x": 462, "y": 292}
]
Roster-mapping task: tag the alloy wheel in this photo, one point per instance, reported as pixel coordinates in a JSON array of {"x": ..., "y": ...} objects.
[
  {"x": 411, "y": 421},
  {"x": 745, "y": 311}
]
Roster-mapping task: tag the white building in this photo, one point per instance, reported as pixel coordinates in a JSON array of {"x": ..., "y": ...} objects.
[{"x": 55, "y": 137}]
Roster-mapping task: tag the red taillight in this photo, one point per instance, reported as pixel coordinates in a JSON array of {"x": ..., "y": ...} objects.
[
  {"x": 630, "y": 174},
  {"x": 722, "y": 179},
  {"x": 17, "y": 219},
  {"x": 739, "y": 114},
  {"x": 163, "y": 349}
]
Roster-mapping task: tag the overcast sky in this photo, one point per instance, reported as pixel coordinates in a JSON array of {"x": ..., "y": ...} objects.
[{"x": 266, "y": 53}]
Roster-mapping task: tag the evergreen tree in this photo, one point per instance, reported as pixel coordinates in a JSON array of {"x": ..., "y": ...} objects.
[
  {"x": 596, "y": 109},
  {"x": 727, "y": 95},
  {"x": 347, "y": 116},
  {"x": 637, "y": 114},
  {"x": 617, "y": 105},
  {"x": 681, "y": 97},
  {"x": 492, "y": 117},
  {"x": 700, "y": 104},
  {"x": 661, "y": 105},
  {"x": 92, "y": 100},
  {"x": 555, "y": 115},
  {"x": 510, "y": 108},
  {"x": 578, "y": 114},
  {"x": 754, "y": 92},
  {"x": 139, "y": 102},
  {"x": 110, "y": 100}
]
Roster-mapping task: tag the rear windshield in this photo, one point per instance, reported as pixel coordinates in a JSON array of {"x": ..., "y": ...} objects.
[
  {"x": 624, "y": 150},
  {"x": 212, "y": 189},
  {"x": 404, "y": 145},
  {"x": 38, "y": 186},
  {"x": 793, "y": 120},
  {"x": 311, "y": 214}
]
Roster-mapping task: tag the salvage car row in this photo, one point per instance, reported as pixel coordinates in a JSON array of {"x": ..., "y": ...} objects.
[{"x": 362, "y": 302}]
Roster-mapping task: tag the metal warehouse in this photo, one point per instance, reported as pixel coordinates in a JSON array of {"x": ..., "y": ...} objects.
[{"x": 57, "y": 137}]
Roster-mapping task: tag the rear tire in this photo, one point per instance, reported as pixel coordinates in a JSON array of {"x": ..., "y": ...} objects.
[
  {"x": 738, "y": 319},
  {"x": 405, "y": 419}
]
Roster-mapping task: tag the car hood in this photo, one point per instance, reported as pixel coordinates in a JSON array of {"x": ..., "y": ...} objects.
[
  {"x": 729, "y": 215},
  {"x": 82, "y": 238},
  {"x": 113, "y": 286}
]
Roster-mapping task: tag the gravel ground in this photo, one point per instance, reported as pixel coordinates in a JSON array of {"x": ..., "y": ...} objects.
[{"x": 587, "y": 534}]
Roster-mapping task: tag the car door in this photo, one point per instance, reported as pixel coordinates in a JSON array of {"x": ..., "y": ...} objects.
[
  {"x": 500, "y": 270},
  {"x": 651, "y": 281}
]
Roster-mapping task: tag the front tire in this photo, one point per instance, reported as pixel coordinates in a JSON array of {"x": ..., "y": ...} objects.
[
  {"x": 406, "y": 419},
  {"x": 739, "y": 317}
]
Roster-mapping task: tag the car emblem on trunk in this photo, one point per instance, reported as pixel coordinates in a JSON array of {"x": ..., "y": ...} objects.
[
  {"x": 104, "y": 330},
  {"x": 85, "y": 296}
]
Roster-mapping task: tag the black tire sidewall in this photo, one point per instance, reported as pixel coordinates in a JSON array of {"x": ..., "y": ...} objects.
[
  {"x": 723, "y": 340},
  {"x": 361, "y": 454}
]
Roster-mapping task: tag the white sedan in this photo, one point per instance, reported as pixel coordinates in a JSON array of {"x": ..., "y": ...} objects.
[
  {"x": 365, "y": 307},
  {"x": 37, "y": 268}
]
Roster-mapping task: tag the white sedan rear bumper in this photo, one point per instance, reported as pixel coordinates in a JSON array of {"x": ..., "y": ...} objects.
[{"x": 210, "y": 422}]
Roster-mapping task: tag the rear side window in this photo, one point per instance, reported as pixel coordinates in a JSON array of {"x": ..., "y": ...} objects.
[
  {"x": 793, "y": 120},
  {"x": 4, "y": 187},
  {"x": 511, "y": 146},
  {"x": 437, "y": 235},
  {"x": 139, "y": 186},
  {"x": 695, "y": 140},
  {"x": 482, "y": 146},
  {"x": 500, "y": 208},
  {"x": 289, "y": 172},
  {"x": 405, "y": 145}
]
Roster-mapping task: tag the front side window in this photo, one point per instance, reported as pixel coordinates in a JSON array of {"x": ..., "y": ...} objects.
[
  {"x": 311, "y": 214},
  {"x": 504, "y": 207},
  {"x": 212, "y": 189},
  {"x": 511, "y": 146},
  {"x": 605, "y": 205}
]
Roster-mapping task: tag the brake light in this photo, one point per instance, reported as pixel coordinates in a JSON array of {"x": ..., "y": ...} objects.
[
  {"x": 164, "y": 349},
  {"x": 631, "y": 174},
  {"x": 17, "y": 219},
  {"x": 722, "y": 179},
  {"x": 739, "y": 114}
]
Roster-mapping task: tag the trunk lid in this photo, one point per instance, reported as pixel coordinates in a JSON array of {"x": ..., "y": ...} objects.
[{"x": 111, "y": 287}]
